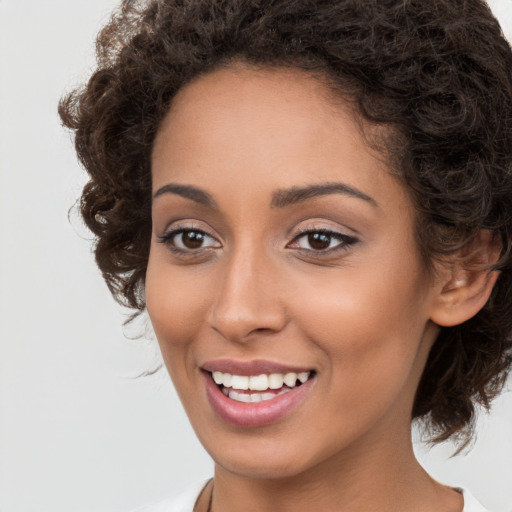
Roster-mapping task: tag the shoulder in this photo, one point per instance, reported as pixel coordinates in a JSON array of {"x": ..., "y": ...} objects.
[
  {"x": 183, "y": 502},
  {"x": 470, "y": 502}
]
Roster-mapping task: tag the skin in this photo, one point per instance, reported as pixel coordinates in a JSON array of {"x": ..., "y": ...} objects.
[{"x": 360, "y": 316}]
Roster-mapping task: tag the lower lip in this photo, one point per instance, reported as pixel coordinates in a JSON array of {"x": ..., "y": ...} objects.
[{"x": 256, "y": 414}]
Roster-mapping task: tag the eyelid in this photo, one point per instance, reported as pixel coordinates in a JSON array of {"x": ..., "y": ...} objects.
[
  {"x": 323, "y": 226},
  {"x": 175, "y": 228},
  {"x": 346, "y": 240},
  {"x": 188, "y": 225}
]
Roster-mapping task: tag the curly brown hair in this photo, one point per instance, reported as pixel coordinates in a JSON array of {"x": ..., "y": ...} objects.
[{"x": 437, "y": 71}]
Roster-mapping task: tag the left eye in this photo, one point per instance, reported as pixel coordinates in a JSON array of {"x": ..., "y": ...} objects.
[
  {"x": 321, "y": 241},
  {"x": 189, "y": 240}
]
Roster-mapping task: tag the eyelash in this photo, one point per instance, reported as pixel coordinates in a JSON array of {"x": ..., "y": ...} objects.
[
  {"x": 345, "y": 241},
  {"x": 168, "y": 239}
]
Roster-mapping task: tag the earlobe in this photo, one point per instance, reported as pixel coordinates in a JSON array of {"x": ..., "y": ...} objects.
[{"x": 468, "y": 282}]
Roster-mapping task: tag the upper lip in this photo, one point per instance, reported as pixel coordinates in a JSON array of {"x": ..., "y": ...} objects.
[{"x": 256, "y": 367}]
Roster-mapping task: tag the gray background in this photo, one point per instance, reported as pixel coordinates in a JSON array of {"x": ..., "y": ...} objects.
[{"x": 77, "y": 431}]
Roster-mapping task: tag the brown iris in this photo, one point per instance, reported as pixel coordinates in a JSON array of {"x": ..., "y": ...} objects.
[
  {"x": 319, "y": 241},
  {"x": 192, "y": 239}
]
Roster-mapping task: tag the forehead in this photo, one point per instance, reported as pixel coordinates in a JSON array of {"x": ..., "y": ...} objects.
[
  {"x": 280, "y": 127},
  {"x": 244, "y": 96}
]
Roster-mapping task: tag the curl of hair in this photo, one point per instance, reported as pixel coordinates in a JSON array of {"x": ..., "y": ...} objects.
[{"x": 438, "y": 72}]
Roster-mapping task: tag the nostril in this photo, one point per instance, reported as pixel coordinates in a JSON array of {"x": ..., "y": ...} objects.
[{"x": 243, "y": 307}]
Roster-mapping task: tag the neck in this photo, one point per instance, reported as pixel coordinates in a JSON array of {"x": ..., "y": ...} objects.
[{"x": 375, "y": 476}]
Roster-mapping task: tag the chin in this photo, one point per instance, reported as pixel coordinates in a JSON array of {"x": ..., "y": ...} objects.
[
  {"x": 261, "y": 469},
  {"x": 261, "y": 460}
]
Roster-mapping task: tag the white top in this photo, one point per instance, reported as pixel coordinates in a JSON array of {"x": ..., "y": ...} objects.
[{"x": 185, "y": 501}]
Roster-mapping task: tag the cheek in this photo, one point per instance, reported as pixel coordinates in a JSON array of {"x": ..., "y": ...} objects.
[
  {"x": 369, "y": 324},
  {"x": 355, "y": 301},
  {"x": 176, "y": 304}
]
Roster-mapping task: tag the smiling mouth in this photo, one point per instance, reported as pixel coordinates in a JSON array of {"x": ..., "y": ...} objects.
[{"x": 259, "y": 388}]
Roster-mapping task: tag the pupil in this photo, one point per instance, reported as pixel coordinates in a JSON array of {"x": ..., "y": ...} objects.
[
  {"x": 192, "y": 239},
  {"x": 319, "y": 240}
]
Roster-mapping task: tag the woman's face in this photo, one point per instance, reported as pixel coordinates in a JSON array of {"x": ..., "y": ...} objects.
[{"x": 283, "y": 251}]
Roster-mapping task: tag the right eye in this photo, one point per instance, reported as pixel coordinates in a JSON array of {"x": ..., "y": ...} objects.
[{"x": 188, "y": 240}]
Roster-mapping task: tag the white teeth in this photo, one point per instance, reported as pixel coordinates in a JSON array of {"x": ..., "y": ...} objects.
[
  {"x": 275, "y": 381},
  {"x": 290, "y": 379},
  {"x": 239, "y": 382},
  {"x": 218, "y": 377},
  {"x": 303, "y": 376},
  {"x": 258, "y": 382},
  {"x": 253, "y": 397},
  {"x": 226, "y": 380},
  {"x": 239, "y": 397}
]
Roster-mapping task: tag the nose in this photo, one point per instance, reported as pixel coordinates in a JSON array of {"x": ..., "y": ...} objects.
[{"x": 248, "y": 299}]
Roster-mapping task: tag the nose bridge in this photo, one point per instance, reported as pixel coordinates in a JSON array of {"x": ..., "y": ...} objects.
[{"x": 247, "y": 299}]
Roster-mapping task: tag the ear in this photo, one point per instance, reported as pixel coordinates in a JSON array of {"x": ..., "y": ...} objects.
[{"x": 466, "y": 282}]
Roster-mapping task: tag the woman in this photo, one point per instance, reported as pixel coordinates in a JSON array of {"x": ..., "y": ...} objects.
[{"x": 313, "y": 201}]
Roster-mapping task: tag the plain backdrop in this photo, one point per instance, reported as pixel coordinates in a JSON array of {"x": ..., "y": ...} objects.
[{"x": 77, "y": 431}]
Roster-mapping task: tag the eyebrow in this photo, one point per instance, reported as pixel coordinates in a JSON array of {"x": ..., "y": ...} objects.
[
  {"x": 280, "y": 198},
  {"x": 188, "y": 192},
  {"x": 293, "y": 195}
]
